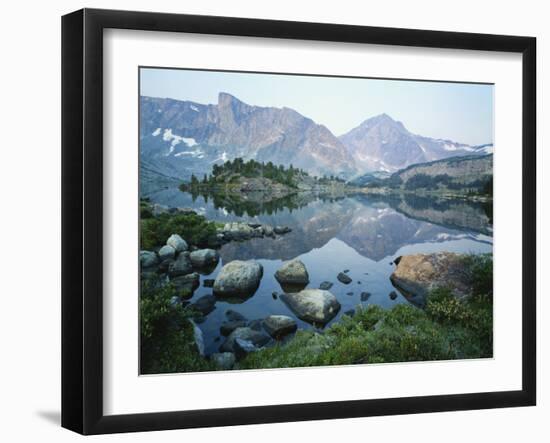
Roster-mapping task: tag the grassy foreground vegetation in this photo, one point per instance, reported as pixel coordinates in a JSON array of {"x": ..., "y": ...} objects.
[
  {"x": 166, "y": 333},
  {"x": 447, "y": 329}
]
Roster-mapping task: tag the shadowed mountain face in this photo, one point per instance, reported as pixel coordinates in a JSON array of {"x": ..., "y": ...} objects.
[
  {"x": 178, "y": 138},
  {"x": 381, "y": 143}
]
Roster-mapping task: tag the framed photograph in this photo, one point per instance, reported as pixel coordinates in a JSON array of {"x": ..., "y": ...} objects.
[{"x": 269, "y": 221}]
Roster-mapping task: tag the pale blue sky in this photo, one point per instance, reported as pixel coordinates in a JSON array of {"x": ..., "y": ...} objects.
[{"x": 457, "y": 111}]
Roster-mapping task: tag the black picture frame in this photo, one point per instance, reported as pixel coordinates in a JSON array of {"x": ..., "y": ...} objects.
[{"x": 82, "y": 217}]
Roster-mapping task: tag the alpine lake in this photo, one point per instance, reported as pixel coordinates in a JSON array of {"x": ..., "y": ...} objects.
[{"x": 360, "y": 235}]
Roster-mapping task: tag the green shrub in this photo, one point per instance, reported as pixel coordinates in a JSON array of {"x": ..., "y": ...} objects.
[
  {"x": 195, "y": 229},
  {"x": 167, "y": 341}
]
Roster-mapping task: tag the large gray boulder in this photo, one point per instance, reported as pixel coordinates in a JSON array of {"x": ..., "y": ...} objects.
[
  {"x": 313, "y": 305},
  {"x": 418, "y": 274},
  {"x": 203, "y": 258},
  {"x": 166, "y": 252},
  {"x": 257, "y": 338},
  {"x": 181, "y": 266},
  {"x": 292, "y": 272},
  {"x": 178, "y": 243},
  {"x": 279, "y": 325},
  {"x": 238, "y": 278},
  {"x": 148, "y": 259}
]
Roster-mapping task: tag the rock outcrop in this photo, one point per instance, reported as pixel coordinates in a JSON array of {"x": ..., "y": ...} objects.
[{"x": 418, "y": 274}]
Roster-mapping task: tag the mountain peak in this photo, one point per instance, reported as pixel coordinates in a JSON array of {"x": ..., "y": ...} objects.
[
  {"x": 225, "y": 98},
  {"x": 382, "y": 119}
]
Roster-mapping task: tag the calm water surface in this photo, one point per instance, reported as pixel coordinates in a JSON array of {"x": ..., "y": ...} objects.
[{"x": 360, "y": 234}]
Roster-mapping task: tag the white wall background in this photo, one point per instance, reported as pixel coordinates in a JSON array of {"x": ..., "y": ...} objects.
[{"x": 30, "y": 218}]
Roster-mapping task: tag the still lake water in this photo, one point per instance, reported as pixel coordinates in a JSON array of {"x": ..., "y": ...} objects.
[{"x": 362, "y": 234}]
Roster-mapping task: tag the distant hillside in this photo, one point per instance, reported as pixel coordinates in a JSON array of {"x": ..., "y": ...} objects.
[
  {"x": 467, "y": 173},
  {"x": 383, "y": 144}
]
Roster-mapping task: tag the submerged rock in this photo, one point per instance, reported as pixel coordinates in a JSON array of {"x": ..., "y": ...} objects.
[
  {"x": 205, "y": 304},
  {"x": 292, "y": 272},
  {"x": 279, "y": 325},
  {"x": 148, "y": 259},
  {"x": 223, "y": 360},
  {"x": 228, "y": 327},
  {"x": 326, "y": 285},
  {"x": 204, "y": 257},
  {"x": 238, "y": 278},
  {"x": 313, "y": 305},
  {"x": 393, "y": 295},
  {"x": 344, "y": 278},
  {"x": 365, "y": 296},
  {"x": 234, "y": 315},
  {"x": 178, "y": 243},
  {"x": 418, "y": 274}
]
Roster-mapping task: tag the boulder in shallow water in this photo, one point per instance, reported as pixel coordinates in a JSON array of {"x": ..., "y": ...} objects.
[
  {"x": 148, "y": 259},
  {"x": 418, "y": 274},
  {"x": 238, "y": 278},
  {"x": 243, "y": 347},
  {"x": 178, "y": 243},
  {"x": 292, "y": 272},
  {"x": 326, "y": 285},
  {"x": 313, "y": 305},
  {"x": 166, "y": 252},
  {"x": 186, "y": 284},
  {"x": 204, "y": 258},
  {"x": 181, "y": 266},
  {"x": 256, "y": 338},
  {"x": 279, "y": 325}
]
